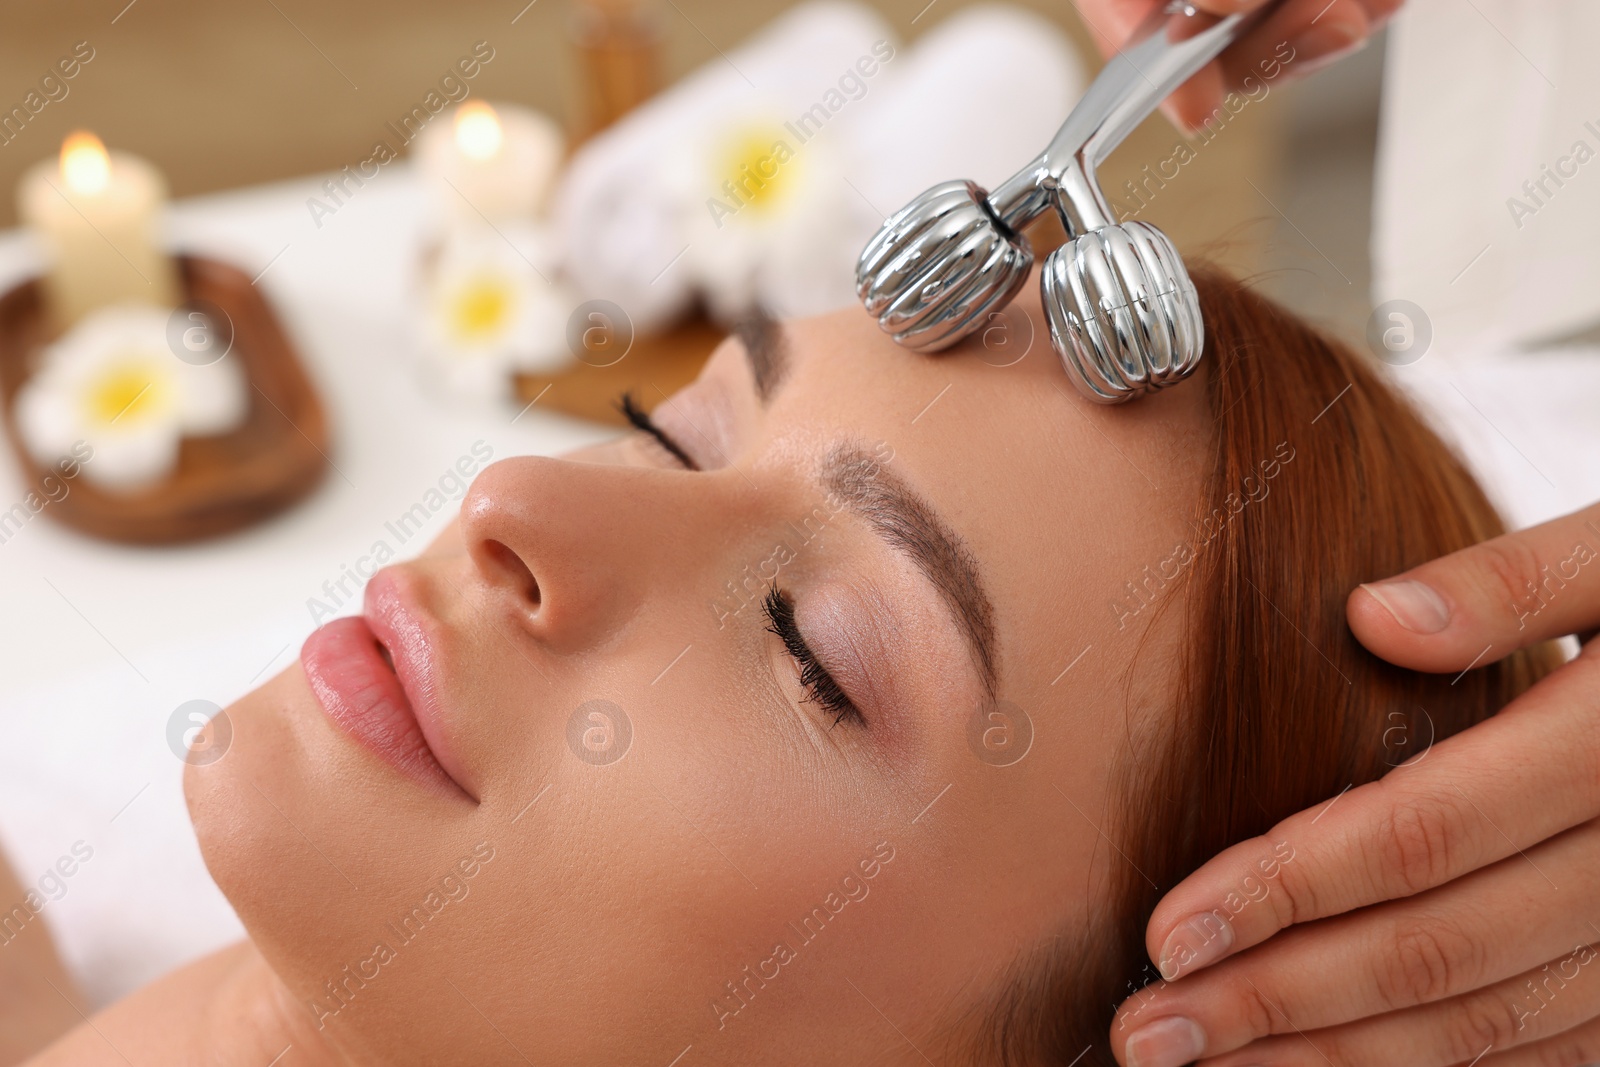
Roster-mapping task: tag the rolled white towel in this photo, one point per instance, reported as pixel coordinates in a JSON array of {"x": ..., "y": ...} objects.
[
  {"x": 623, "y": 204},
  {"x": 758, "y": 179},
  {"x": 768, "y": 217},
  {"x": 975, "y": 97}
]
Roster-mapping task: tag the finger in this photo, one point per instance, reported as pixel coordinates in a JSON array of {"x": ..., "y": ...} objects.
[
  {"x": 1298, "y": 37},
  {"x": 1580, "y": 1044},
  {"x": 1427, "y": 822},
  {"x": 1479, "y": 930},
  {"x": 1302, "y": 36},
  {"x": 1479, "y": 604},
  {"x": 1197, "y": 99},
  {"x": 1535, "y": 1005},
  {"x": 1380, "y": 11},
  {"x": 1223, "y": 8},
  {"x": 1112, "y": 22}
]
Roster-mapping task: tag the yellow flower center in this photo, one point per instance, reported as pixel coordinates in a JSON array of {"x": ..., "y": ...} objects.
[
  {"x": 758, "y": 163},
  {"x": 481, "y": 308},
  {"x": 130, "y": 388}
]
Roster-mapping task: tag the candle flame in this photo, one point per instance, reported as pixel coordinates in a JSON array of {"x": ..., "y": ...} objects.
[
  {"x": 478, "y": 131},
  {"x": 85, "y": 166}
]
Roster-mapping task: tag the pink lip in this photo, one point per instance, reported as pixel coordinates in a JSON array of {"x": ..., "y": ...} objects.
[{"x": 393, "y": 713}]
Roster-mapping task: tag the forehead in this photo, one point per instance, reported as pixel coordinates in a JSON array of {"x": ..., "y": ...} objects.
[{"x": 1061, "y": 501}]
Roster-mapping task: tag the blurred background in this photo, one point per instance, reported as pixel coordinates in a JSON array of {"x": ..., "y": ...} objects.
[{"x": 223, "y": 96}]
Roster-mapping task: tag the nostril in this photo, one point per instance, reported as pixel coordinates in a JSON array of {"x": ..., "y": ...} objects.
[{"x": 513, "y": 571}]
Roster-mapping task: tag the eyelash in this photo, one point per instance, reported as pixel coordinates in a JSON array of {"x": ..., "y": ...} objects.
[
  {"x": 814, "y": 677},
  {"x": 639, "y": 420}
]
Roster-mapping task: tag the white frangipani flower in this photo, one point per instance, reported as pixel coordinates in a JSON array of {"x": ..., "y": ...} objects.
[
  {"x": 633, "y": 204},
  {"x": 113, "y": 382},
  {"x": 489, "y": 312},
  {"x": 769, "y": 219},
  {"x": 759, "y": 178}
]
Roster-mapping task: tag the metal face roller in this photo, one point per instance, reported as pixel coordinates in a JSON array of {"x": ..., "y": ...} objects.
[
  {"x": 1123, "y": 314},
  {"x": 939, "y": 265}
]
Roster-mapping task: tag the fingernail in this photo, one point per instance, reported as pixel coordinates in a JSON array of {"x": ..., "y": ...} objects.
[
  {"x": 1170, "y": 110},
  {"x": 1170, "y": 1042},
  {"x": 1326, "y": 43},
  {"x": 1199, "y": 941},
  {"x": 1413, "y": 605}
]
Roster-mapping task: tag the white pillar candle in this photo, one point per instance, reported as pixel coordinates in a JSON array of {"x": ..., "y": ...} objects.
[
  {"x": 99, "y": 216},
  {"x": 491, "y": 164}
]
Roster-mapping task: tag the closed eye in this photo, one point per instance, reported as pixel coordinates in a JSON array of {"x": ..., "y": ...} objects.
[
  {"x": 820, "y": 687},
  {"x": 640, "y": 420}
]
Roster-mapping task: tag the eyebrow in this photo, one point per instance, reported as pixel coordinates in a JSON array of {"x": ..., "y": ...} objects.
[
  {"x": 766, "y": 350},
  {"x": 909, "y": 524}
]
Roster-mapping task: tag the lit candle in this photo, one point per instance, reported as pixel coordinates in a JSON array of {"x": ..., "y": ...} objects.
[
  {"x": 491, "y": 164},
  {"x": 99, "y": 216}
]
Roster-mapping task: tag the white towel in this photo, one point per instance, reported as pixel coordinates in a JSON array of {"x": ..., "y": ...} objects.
[
  {"x": 864, "y": 124},
  {"x": 623, "y": 226},
  {"x": 977, "y": 96}
]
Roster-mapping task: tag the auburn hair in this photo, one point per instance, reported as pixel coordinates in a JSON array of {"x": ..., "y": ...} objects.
[{"x": 1278, "y": 707}]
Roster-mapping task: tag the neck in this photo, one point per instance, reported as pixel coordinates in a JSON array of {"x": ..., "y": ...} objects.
[{"x": 226, "y": 1009}]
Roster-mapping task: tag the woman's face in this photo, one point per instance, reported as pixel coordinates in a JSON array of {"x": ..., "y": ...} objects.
[{"x": 783, "y": 755}]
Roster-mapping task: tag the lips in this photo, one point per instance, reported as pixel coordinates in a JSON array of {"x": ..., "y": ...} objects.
[{"x": 376, "y": 678}]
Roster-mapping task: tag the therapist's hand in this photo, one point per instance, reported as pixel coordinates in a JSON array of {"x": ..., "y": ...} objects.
[
  {"x": 1476, "y": 868},
  {"x": 1299, "y": 38}
]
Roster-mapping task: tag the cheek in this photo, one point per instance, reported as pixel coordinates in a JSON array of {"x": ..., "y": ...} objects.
[
  {"x": 324, "y": 852},
  {"x": 237, "y": 841},
  {"x": 653, "y": 880},
  {"x": 657, "y": 884},
  {"x": 608, "y": 452}
]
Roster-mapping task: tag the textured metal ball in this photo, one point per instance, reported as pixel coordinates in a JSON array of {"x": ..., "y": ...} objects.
[
  {"x": 938, "y": 266},
  {"x": 1124, "y": 315}
]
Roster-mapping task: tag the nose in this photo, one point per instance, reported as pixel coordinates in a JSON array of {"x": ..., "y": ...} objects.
[{"x": 570, "y": 551}]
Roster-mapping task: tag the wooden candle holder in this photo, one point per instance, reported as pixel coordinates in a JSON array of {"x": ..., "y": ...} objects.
[{"x": 221, "y": 483}]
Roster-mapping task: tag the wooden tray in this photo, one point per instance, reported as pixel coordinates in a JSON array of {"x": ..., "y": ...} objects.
[
  {"x": 654, "y": 367},
  {"x": 222, "y": 483}
]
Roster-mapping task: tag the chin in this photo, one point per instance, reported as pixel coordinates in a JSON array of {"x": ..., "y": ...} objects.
[
  {"x": 313, "y": 840},
  {"x": 245, "y": 806}
]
